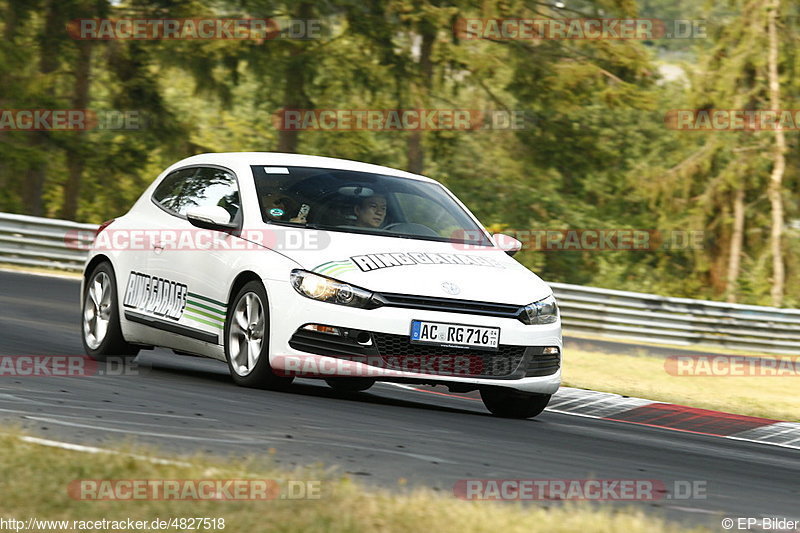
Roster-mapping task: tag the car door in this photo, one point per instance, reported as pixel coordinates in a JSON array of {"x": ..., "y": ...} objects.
[
  {"x": 143, "y": 229},
  {"x": 194, "y": 266}
]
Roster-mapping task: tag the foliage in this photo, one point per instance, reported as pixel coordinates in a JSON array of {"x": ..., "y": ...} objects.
[{"x": 594, "y": 151}]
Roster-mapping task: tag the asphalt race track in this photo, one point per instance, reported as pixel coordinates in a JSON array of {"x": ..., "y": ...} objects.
[{"x": 185, "y": 404}]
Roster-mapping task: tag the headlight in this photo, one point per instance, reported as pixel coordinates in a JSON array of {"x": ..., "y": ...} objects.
[
  {"x": 330, "y": 290},
  {"x": 541, "y": 312}
]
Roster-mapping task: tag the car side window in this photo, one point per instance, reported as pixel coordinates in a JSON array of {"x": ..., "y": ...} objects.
[
  {"x": 211, "y": 187},
  {"x": 168, "y": 192},
  {"x": 205, "y": 186}
]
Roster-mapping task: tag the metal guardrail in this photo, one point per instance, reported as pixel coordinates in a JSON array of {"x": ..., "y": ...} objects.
[
  {"x": 44, "y": 242},
  {"x": 678, "y": 321},
  {"x": 34, "y": 241}
]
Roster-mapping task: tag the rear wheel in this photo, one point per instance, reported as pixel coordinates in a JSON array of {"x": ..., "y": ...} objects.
[
  {"x": 350, "y": 384},
  {"x": 247, "y": 340},
  {"x": 101, "y": 331},
  {"x": 510, "y": 403}
]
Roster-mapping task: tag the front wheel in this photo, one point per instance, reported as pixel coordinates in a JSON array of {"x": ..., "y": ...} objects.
[
  {"x": 510, "y": 403},
  {"x": 101, "y": 332},
  {"x": 247, "y": 340}
]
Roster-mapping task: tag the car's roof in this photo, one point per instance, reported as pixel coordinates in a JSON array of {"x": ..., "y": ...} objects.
[{"x": 292, "y": 160}]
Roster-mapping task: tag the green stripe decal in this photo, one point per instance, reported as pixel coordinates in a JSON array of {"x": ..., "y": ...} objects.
[
  {"x": 203, "y": 313},
  {"x": 334, "y": 267},
  {"x": 210, "y": 300},
  {"x": 340, "y": 269},
  {"x": 202, "y": 321},
  {"x": 330, "y": 265},
  {"x": 320, "y": 267},
  {"x": 206, "y": 307}
]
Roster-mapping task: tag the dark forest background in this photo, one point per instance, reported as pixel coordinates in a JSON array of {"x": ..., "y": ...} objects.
[{"x": 595, "y": 151}]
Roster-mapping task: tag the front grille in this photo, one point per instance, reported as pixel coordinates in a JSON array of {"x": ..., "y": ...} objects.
[
  {"x": 398, "y": 353},
  {"x": 395, "y": 352},
  {"x": 452, "y": 305}
]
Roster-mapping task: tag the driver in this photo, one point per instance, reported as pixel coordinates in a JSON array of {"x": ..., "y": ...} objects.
[{"x": 371, "y": 211}]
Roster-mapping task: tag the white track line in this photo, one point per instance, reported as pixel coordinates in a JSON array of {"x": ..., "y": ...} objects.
[{"x": 93, "y": 449}]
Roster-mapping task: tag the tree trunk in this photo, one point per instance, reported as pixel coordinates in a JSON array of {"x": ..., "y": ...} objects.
[
  {"x": 414, "y": 149},
  {"x": 779, "y": 165},
  {"x": 39, "y": 140},
  {"x": 292, "y": 99},
  {"x": 735, "y": 251},
  {"x": 414, "y": 152},
  {"x": 76, "y": 156},
  {"x": 294, "y": 90},
  {"x": 9, "y": 33}
]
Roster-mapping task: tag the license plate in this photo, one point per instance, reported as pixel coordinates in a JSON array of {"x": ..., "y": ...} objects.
[{"x": 444, "y": 334}]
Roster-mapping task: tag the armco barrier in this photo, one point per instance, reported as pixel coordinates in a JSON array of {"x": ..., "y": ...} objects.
[
  {"x": 34, "y": 241},
  {"x": 678, "y": 321}
]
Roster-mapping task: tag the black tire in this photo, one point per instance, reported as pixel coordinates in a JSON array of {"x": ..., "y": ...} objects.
[
  {"x": 261, "y": 375},
  {"x": 350, "y": 384},
  {"x": 510, "y": 403},
  {"x": 113, "y": 344}
]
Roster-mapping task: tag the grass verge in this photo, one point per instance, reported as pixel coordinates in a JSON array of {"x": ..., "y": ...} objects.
[
  {"x": 36, "y": 478},
  {"x": 40, "y": 270},
  {"x": 638, "y": 347},
  {"x": 646, "y": 377}
]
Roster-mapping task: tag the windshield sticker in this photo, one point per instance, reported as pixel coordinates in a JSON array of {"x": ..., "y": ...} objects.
[
  {"x": 276, "y": 212},
  {"x": 157, "y": 296},
  {"x": 371, "y": 262}
]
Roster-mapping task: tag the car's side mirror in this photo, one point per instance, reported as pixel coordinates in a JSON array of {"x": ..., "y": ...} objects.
[
  {"x": 507, "y": 243},
  {"x": 210, "y": 217}
]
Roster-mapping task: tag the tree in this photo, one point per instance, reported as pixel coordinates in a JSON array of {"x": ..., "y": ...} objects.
[
  {"x": 779, "y": 165},
  {"x": 725, "y": 172}
]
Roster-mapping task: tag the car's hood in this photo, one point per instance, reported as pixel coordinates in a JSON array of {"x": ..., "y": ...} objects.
[{"x": 419, "y": 267}]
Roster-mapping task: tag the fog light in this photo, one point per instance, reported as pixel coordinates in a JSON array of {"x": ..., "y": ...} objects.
[
  {"x": 551, "y": 350},
  {"x": 330, "y": 330}
]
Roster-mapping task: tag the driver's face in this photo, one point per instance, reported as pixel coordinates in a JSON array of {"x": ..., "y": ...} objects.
[{"x": 371, "y": 212}]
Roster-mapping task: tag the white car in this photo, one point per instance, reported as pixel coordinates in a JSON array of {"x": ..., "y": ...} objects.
[{"x": 288, "y": 265}]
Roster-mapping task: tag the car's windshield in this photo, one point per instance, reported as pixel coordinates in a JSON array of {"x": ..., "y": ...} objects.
[{"x": 361, "y": 202}]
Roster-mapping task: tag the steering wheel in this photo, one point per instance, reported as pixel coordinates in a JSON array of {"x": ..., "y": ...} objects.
[{"x": 411, "y": 227}]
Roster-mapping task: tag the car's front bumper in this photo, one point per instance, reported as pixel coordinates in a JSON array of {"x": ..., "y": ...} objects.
[{"x": 384, "y": 359}]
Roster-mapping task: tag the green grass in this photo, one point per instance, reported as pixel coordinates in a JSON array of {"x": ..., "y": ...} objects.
[
  {"x": 646, "y": 377},
  {"x": 35, "y": 480},
  {"x": 40, "y": 270}
]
